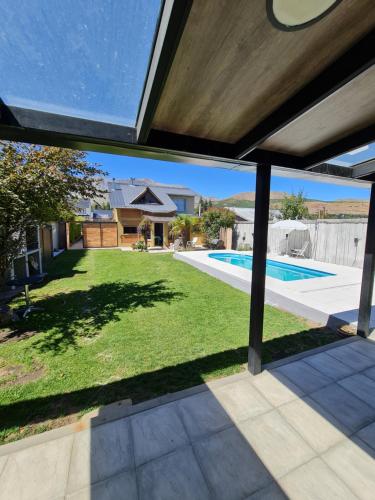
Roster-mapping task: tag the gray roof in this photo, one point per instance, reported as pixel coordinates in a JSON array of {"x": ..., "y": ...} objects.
[
  {"x": 99, "y": 213},
  {"x": 245, "y": 213},
  {"x": 248, "y": 214},
  {"x": 122, "y": 195}
]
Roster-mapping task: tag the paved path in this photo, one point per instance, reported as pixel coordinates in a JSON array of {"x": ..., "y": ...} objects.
[{"x": 304, "y": 429}]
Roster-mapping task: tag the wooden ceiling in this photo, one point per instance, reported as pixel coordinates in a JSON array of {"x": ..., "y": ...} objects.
[
  {"x": 233, "y": 68},
  {"x": 348, "y": 110}
]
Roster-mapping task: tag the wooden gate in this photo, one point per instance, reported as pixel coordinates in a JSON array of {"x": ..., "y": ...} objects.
[{"x": 100, "y": 234}]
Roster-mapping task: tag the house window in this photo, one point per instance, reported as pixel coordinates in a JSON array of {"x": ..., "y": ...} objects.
[
  {"x": 180, "y": 204},
  {"x": 130, "y": 230},
  {"x": 32, "y": 239}
]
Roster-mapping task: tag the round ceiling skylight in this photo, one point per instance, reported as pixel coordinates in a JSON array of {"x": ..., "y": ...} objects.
[{"x": 289, "y": 15}]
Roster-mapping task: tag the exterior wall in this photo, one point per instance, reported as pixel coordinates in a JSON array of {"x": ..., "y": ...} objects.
[
  {"x": 132, "y": 217},
  {"x": 335, "y": 241},
  {"x": 189, "y": 202},
  {"x": 127, "y": 217},
  {"x": 55, "y": 235}
]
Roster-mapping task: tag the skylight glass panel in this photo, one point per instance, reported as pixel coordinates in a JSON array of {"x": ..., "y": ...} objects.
[
  {"x": 358, "y": 155},
  {"x": 81, "y": 58}
]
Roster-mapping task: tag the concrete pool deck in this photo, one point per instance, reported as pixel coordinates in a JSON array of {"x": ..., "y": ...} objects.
[{"x": 331, "y": 300}]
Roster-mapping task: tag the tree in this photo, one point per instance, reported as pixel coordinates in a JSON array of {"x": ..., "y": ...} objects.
[
  {"x": 216, "y": 218},
  {"x": 293, "y": 207},
  {"x": 144, "y": 229},
  {"x": 204, "y": 205},
  {"x": 182, "y": 226},
  {"x": 39, "y": 184}
]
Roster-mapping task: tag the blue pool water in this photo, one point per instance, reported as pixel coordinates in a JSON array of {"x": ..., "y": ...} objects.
[{"x": 274, "y": 269}]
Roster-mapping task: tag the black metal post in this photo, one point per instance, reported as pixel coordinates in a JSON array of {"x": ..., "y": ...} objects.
[
  {"x": 364, "y": 314},
  {"x": 258, "y": 280}
]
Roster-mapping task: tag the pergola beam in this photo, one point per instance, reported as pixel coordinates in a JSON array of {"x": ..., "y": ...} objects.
[
  {"x": 23, "y": 124},
  {"x": 337, "y": 148},
  {"x": 258, "y": 277},
  {"x": 172, "y": 22},
  {"x": 364, "y": 169},
  {"x": 354, "y": 62},
  {"x": 365, "y": 304}
]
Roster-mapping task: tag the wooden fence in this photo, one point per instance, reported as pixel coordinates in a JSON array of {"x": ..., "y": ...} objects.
[{"x": 330, "y": 240}]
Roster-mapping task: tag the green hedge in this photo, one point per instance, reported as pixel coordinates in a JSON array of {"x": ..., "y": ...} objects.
[{"x": 75, "y": 231}]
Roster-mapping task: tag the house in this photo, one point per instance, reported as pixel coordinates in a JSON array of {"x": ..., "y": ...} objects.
[
  {"x": 248, "y": 214},
  {"x": 83, "y": 208},
  {"x": 132, "y": 200}
]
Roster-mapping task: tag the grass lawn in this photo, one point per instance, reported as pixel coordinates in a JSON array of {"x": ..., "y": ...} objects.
[{"x": 120, "y": 325}]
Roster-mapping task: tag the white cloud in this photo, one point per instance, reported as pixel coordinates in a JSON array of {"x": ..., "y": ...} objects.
[{"x": 358, "y": 150}]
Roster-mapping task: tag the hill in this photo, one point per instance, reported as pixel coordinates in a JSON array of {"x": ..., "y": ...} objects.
[{"x": 350, "y": 207}]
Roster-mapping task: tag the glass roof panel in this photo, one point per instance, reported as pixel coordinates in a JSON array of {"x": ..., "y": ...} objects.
[
  {"x": 82, "y": 58},
  {"x": 364, "y": 153}
]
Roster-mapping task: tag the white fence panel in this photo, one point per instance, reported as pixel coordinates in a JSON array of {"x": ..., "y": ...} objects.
[{"x": 330, "y": 240}]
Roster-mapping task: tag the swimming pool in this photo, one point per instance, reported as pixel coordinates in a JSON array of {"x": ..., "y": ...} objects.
[{"x": 279, "y": 270}]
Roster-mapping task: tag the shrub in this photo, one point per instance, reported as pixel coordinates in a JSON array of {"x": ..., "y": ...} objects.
[
  {"x": 216, "y": 218},
  {"x": 140, "y": 246},
  {"x": 75, "y": 231}
]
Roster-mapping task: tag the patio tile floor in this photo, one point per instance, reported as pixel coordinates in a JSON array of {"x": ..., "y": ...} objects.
[{"x": 298, "y": 430}]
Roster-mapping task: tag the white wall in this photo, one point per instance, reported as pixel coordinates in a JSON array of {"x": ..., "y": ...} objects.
[{"x": 330, "y": 240}]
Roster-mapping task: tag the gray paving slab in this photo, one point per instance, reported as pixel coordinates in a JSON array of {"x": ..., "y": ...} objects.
[
  {"x": 329, "y": 366},
  {"x": 278, "y": 389},
  {"x": 203, "y": 414},
  {"x": 355, "y": 466},
  {"x": 38, "y": 473},
  {"x": 173, "y": 476},
  {"x": 99, "y": 453},
  {"x": 122, "y": 486},
  {"x": 361, "y": 386},
  {"x": 231, "y": 467},
  {"x": 318, "y": 428},
  {"x": 370, "y": 372},
  {"x": 271, "y": 492},
  {"x": 241, "y": 400},
  {"x": 367, "y": 435},
  {"x": 315, "y": 481},
  {"x": 347, "y": 355},
  {"x": 3, "y": 461},
  {"x": 366, "y": 348},
  {"x": 352, "y": 412},
  {"x": 157, "y": 432},
  {"x": 276, "y": 443},
  {"x": 303, "y": 376}
]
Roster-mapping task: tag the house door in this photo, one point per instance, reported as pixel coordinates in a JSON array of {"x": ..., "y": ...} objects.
[{"x": 158, "y": 234}]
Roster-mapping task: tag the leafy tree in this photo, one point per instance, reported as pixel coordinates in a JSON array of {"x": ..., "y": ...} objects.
[
  {"x": 216, "y": 218},
  {"x": 39, "y": 184},
  {"x": 204, "y": 205},
  {"x": 293, "y": 206},
  {"x": 182, "y": 226},
  {"x": 144, "y": 229}
]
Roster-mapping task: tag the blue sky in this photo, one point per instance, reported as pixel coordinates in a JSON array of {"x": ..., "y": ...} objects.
[{"x": 215, "y": 181}]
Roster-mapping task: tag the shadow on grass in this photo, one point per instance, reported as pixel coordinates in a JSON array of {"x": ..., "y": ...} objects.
[
  {"x": 152, "y": 384},
  {"x": 81, "y": 314}
]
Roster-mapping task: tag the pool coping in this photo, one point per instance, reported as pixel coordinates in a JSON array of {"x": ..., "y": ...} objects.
[
  {"x": 327, "y": 300},
  {"x": 272, "y": 298}
]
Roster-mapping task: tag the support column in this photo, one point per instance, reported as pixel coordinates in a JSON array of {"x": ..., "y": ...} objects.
[
  {"x": 364, "y": 313},
  {"x": 258, "y": 280}
]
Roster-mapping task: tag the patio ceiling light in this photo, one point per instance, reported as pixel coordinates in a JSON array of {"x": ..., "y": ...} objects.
[{"x": 290, "y": 15}]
